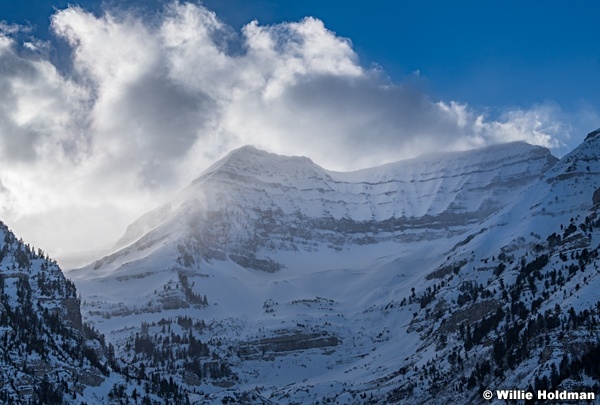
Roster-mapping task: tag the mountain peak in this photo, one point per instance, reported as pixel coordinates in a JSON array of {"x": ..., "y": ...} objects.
[
  {"x": 247, "y": 150},
  {"x": 251, "y": 152},
  {"x": 592, "y": 134},
  {"x": 251, "y": 161}
]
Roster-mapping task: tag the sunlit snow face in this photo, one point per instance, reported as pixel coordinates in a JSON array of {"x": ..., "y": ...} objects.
[{"x": 147, "y": 103}]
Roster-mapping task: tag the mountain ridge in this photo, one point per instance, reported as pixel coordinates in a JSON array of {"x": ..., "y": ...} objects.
[{"x": 296, "y": 187}]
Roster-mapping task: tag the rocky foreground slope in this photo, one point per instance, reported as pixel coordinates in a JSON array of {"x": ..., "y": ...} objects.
[{"x": 47, "y": 354}]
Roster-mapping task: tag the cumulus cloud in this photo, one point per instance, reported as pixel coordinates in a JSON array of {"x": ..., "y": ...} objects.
[{"x": 149, "y": 101}]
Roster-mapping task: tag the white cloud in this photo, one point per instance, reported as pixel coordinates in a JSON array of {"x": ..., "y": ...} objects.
[
  {"x": 149, "y": 102},
  {"x": 538, "y": 125}
]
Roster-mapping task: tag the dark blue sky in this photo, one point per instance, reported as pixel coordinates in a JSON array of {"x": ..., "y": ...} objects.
[{"x": 490, "y": 54}]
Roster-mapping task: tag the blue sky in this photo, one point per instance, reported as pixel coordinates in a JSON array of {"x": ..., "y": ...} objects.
[
  {"x": 111, "y": 108},
  {"x": 491, "y": 54}
]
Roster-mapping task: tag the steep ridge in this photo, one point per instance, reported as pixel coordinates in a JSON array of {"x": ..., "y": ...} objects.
[
  {"x": 518, "y": 296},
  {"x": 47, "y": 354},
  {"x": 565, "y": 191}
]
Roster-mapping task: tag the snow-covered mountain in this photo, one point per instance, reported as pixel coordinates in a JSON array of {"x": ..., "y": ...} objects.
[
  {"x": 271, "y": 279},
  {"x": 275, "y": 213},
  {"x": 252, "y": 202}
]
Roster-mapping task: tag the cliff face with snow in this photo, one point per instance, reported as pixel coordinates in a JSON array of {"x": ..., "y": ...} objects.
[
  {"x": 47, "y": 354},
  {"x": 253, "y": 204},
  {"x": 272, "y": 280}
]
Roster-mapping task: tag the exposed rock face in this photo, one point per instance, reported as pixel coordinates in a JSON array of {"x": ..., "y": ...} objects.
[
  {"x": 73, "y": 312},
  {"x": 596, "y": 197},
  {"x": 592, "y": 134},
  {"x": 287, "y": 341},
  {"x": 41, "y": 328}
]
